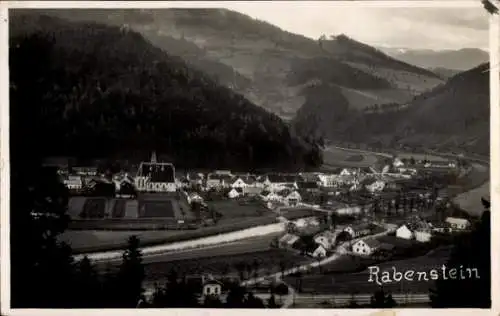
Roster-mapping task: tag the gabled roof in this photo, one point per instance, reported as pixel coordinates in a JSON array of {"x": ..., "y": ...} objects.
[
  {"x": 456, "y": 220},
  {"x": 372, "y": 243},
  {"x": 265, "y": 193},
  {"x": 307, "y": 185}
]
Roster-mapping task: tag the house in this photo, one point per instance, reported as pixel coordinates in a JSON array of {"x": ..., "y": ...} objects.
[
  {"x": 85, "y": 171},
  {"x": 124, "y": 186},
  {"x": 212, "y": 288},
  {"x": 277, "y": 182},
  {"x": 234, "y": 193},
  {"x": 290, "y": 198},
  {"x": 327, "y": 239},
  {"x": 366, "y": 247},
  {"x": 316, "y": 251},
  {"x": 404, "y": 232},
  {"x": 218, "y": 181},
  {"x": 271, "y": 196},
  {"x": 73, "y": 182},
  {"x": 288, "y": 240},
  {"x": 347, "y": 172},
  {"x": 195, "y": 179},
  {"x": 423, "y": 235},
  {"x": 238, "y": 183},
  {"x": 418, "y": 230},
  {"x": 194, "y": 198},
  {"x": 458, "y": 223},
  {"x": 358, "y": 230},
  {"x": 328, "y": 180},
  {"x": 397, "y": 163},
  {"x": 374, "y": 185}
]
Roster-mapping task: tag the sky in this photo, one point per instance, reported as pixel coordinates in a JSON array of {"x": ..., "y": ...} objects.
[{"x": 414, "y": 28}]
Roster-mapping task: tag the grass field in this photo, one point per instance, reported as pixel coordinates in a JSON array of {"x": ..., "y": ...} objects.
[
  {"x": 224, "y": 264},
  {"x": 91, "y": 240},
  {"x": 346, "y": 158},
  {"x": 239, "y": 209}
]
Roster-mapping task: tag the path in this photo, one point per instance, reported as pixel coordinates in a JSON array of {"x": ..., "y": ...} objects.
[{"x": 306, "y": 267}]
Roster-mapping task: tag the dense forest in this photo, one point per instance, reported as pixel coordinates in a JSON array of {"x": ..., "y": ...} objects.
[{"x": 89, "y": 90}]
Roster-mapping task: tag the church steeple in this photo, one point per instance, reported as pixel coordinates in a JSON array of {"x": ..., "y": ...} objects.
[{"x": 153, "y": 157}]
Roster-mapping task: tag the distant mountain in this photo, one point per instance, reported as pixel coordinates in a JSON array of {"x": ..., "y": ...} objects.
[
  {"x": 445, "y": 73},
  {"x": 266, "y": 64},
  {"x": 462, "y": 59},
  {"x": 451, "y": 116},
  {"x": 91, "y": 90}
]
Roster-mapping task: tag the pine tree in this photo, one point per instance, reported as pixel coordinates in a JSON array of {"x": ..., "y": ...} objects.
[{"x": 131, "y": 274}]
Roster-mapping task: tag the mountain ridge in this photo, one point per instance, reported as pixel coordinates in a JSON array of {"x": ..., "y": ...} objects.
[
  {"x": 263, "y": 57},
  {"x": 97, "y": 90}
]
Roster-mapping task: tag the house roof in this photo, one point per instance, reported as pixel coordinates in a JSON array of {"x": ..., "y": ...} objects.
[
  {"x": 326, "y": 233},
  {"x": 220, "y": 177},
  {"x": 289, "y": 239},
  {"x": 253, "y": 189},
  {"x": 456, "y": 220},
  {"x": 307, "y": 185},
  {"x": 372, "y": 243}
]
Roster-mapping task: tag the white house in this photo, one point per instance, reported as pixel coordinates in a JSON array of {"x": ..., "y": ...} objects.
[
  {"x": 239, "y": 183},
  {"x": 376, "y": 186},
  {"x": 212, "y": 288},
  {"x": 358, "y": 231},
  {"x": 366, "y": 247},
  {"x": 288, "y": 240},
  {"x": 292, "y": 199},
  {"x": 397, "y": 163},
  {"x": 423, "y": 235},
  {"x": 233, "y": 194},
  {"x": 275, "y": 183},
  {"x": 218, "y": 181},
  {"x": 73, "y": 182},
  {"x": 194, "y": 198},
  {"x": 346, "y": 172},
  {"x": 326, "y": 239},
  {"x": 327, "y": 180},
  {"x": 404, "y": 232},
  {"x": 458, "y": 223},
  {"x": 318, "y": 252}
]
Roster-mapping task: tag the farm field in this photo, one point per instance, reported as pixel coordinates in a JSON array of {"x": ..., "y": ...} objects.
[
  {"x": 346, "y": 158},
  {"x": 238, "y": 209},
  {"x": 83, "y": 241},
  {"x": 223, "y": 261},
  {"x": 348, "y": 283}
]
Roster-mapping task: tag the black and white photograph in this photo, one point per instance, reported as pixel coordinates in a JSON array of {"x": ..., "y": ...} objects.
[{"x": 234, "y": 155}]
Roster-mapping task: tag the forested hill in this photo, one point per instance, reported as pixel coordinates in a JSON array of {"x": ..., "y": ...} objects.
[
  {"x": 91, "y": 90},
  {"x": 450, "y": 117}
]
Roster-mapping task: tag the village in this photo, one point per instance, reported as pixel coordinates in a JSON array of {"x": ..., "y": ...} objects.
[{"x": 375, "y": 214}]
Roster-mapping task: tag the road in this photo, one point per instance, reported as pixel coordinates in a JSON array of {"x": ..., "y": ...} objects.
[{"x": 306, "y": 267}]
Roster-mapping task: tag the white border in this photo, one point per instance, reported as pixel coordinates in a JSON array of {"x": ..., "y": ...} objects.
[{"x": 5, "y": 171}]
